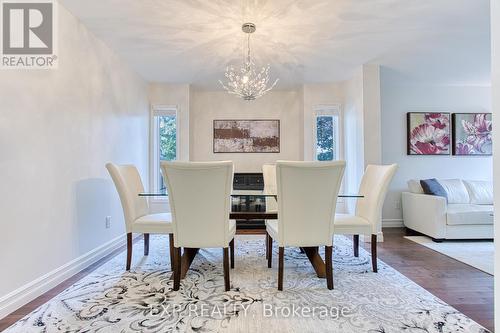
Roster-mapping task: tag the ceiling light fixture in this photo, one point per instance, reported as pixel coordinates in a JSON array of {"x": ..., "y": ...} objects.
[{"x": 247, "y": 82}]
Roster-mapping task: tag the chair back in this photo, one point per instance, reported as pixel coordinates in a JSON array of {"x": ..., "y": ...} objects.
[
  {"x": 128, "y": 184},
  {"x": 307, "y": 199},
  {"x": 374, "y": 186},
  {"x": 269, "y": 172},
  {"x": 199, "y": 196}
]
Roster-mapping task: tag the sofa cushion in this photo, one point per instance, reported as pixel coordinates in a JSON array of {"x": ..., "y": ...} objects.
[
  {"x": 480, "y": 191},
  {"x": 414, "y": 186},
  {"x": 469, "y": 214},
  {"x": 432, "y": 187},
  {"x": 455, "y": 191}
]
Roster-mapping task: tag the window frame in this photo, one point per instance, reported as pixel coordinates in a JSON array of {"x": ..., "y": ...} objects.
[
  {"x": 333, "y": 111},
  {"x": 154, "y": 147}
]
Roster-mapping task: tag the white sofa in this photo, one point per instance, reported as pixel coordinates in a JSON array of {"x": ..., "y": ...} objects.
[{"x": 467, "y": 213}]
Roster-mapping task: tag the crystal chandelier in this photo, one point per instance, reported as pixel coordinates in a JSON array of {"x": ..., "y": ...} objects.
[{"x": 248, "y": 82}]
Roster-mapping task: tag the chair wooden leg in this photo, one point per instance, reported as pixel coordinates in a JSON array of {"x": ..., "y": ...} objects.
[
  {"x": 281, "y": 267},
  {"x": 146, "y": 244},
  {"x": 227, "y": 284},
  {"x": 177, "y": 268},
  {"x": 231, "y": 248},
  {"x": 374, "y": 253},
  {"x": 267, "y": 245},
  {"x": 270, "y": 252},
  {"x": 129, "y": 250},
  {"x": 329, "y": 268},
  {"x": 171, "y": 250},
  {"x": 355, "y": 244}
]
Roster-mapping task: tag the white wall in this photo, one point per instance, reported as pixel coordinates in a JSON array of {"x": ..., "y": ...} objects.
[
  {"x": 354, "y": 136},
  {"x": 495, "y": 38},
  {"x": 362, "y": 127},
  {"x": 207, "y": 106},
  {"x": 58, "y": 128},
  {"x": 372, "y": 115},
  {"x": 400, "y": 96}
]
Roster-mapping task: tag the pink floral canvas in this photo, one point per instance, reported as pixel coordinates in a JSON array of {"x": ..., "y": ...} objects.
[
  {"x": 472, "y": 134},
  {"x": 428, "y": 133}
]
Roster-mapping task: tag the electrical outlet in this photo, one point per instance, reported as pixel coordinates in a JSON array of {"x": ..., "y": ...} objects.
[
  {"x": 108, "y": 222},
  {"x": 397, "y": 205}
]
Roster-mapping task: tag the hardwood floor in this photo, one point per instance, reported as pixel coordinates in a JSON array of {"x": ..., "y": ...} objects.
[
  {"x": 26, "y": 309},
  {"x": 463, "y": 287},
  {"x": 467, "y": 289}
]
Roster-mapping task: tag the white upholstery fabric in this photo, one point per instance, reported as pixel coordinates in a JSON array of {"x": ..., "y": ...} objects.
[
  {"x": 429, "y": 214},
  {"x": 128, "y": 184},
  {"x": 455, "y": 191},
  {"x": 425, "y": 213},
  {"x": 199, "y": 195},
  {"x": 270, "y": 186},
  {"x": 374, "y": 186},
  {"x": 272, "y": 228},
  {"x": 480, "y": 191},
  {"x": 135, "y": 208},
  {"x": 154, "y": 224},
  {"x": 232, "y": 228},
  {"x": 414, "y": 186},
  {"x": 460, "y": 214},
  {"x": 307, "y": 197},
  {"x": 346, "y": 224}
]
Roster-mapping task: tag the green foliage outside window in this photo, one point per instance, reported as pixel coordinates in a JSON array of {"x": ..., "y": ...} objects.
[
  {"x": 167, "y": 133},
  {"x": 324, "y": 138}
]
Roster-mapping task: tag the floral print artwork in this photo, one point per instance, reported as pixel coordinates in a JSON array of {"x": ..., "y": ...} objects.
[
  {"x": 472, "y": 134},
  {"x": 428, "y": 133}
]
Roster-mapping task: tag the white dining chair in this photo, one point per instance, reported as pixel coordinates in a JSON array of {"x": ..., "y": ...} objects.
[
  {"x": 368, "y": 213},
  {"x": 307, "y": 197},
  {"x": 136, "y": 209},
  {"x": 269, "y": 174},
  {"x": 270, "y": 187},
  {"x": 199, "y": 194}
]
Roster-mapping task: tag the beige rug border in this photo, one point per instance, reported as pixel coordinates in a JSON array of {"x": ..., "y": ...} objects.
[{"x": 418, "y": 240}]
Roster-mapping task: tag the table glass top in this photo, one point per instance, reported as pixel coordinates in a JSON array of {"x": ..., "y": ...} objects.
[{"x": 238, "y": 193}]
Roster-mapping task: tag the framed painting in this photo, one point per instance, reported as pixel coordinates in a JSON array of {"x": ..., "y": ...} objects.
[
  {"x": 472, "y": 134},
  {"x": 246, "y": 136},
  {"x": 428, "y": 133}
]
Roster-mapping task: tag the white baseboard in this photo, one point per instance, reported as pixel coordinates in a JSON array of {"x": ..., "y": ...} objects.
[
  {"x": 25, "y": 294},
  {"x": 392, "y": 223}
]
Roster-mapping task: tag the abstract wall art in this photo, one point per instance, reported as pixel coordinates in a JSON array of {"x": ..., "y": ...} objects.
[
  {"x": 246, "y": 136},
  {"x": 472, "y": 134},
  {"x": 428, "y": 133}
]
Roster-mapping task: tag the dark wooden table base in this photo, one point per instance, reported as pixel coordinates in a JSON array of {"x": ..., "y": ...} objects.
[
  {"x": 312, "y": 253},
  {"x": 316, "y": 261},
  {"x": 187, "y": 260}
]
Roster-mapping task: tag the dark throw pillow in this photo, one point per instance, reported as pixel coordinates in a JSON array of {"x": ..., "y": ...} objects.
[{"x": 432, "y": 187}]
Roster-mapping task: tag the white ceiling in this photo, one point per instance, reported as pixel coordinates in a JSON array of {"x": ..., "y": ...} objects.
[{"x": 305, "y": 41}]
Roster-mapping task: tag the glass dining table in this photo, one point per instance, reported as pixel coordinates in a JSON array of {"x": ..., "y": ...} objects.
[
  {"x": 312, "y": 253},
  {"x": 257, "y": 196}
]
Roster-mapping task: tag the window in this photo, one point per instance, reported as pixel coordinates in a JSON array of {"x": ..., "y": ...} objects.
[
  {"x": 164, "y": 143},
  {"x": 326, "y": 134}
]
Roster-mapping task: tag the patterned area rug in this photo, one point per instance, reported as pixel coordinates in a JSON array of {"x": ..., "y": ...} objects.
[{"x": 112, "y": 300}]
